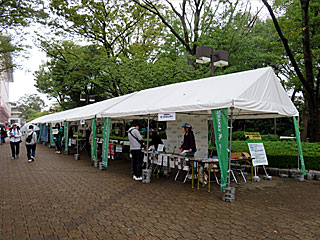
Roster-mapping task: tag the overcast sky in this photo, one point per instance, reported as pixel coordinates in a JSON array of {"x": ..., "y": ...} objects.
[{"x": 24, "y": 80}]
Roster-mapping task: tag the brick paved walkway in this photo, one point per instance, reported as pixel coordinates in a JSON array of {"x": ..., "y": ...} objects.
[{"x": 57, "y": 197}]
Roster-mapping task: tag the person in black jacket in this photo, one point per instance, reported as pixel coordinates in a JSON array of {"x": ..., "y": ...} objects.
[
  {"x": 155, "y": 139},
  {"x": 3, "y": 134},
  {"x": 189, "y": 142}
]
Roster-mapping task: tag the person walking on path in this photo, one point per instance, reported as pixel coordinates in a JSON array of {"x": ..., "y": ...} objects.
[
  {"x": 136, "y": 140},
  {"x": 15, "y": 140},
  {"x": 31, "y": 143},
  {"x": 3, "y": 134}
]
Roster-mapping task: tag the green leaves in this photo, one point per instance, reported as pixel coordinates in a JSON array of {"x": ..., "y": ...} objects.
[{"x": 30, "y": 105}]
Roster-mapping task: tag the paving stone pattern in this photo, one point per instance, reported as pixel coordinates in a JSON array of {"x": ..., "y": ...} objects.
[{"x": 56, "y": 197}]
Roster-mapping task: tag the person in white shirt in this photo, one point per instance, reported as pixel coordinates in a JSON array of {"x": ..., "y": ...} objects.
[
  {"x": 136, "y": 140},
  {"x": 15, "y": 138},
  {"x": 31, "y": 143}
]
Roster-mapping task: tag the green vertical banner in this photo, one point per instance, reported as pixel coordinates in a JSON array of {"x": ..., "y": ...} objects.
[
  {"x": 221, "y": 133},
  {"x": 94, "y": 156},
  {"x": 40, "y": 130},
  {"x": 52, "y": 143},
  {"x": 296, "y": 128},
  {"x": 66, "y": 136},
  {"x": 105, "y": 144}
]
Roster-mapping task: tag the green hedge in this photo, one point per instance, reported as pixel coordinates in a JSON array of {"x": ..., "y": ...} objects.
[
  {"x": 284, "y": 154},
  {"x": 239, "y": 135}
]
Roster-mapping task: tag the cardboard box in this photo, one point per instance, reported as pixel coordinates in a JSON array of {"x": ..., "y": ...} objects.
[{"x": 239, "y": 154}]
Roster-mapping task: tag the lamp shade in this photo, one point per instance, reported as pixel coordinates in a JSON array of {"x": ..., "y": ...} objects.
[
  {"x": 220, "y": 58},
  {"x": 92, "y": 98},
  {"x": 203, "y": 54},
  {"x": 83, "y": 97}
]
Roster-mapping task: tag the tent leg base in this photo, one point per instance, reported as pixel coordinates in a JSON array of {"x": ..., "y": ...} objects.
[{"x": 228, "y": 194}]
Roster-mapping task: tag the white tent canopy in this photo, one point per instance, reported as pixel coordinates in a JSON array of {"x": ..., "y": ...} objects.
[
  {"x": 85, "y": 112},
  {"x": 253, "y": 94}
]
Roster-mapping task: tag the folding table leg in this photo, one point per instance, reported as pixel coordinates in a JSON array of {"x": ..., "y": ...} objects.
[
  {"x": 234, "y": 177},
  {"x": 177, "y": 175},
  {"x": 244, "y": 178},
  {"x": 185, "y": 179}
]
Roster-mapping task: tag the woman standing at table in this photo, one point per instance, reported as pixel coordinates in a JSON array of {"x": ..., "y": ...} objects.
[
  {"x": 189, "y": 142},
  {"x": 58, "y": 137}
]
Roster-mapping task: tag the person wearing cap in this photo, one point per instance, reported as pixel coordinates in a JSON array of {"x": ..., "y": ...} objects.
[
  {"x": 15, "y": 139},
  {"x": 189, "y": 142},
  {"x": 155, "y": 139},
  {"x": 31, "y": 142},
  {"x": 58, "y": 138},
  {"x": 136, "y": 140}
]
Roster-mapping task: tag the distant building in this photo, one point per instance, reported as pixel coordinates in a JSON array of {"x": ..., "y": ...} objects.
[
  {"x": 6, "y": 76},
  {"x": 15, "y": 115}
]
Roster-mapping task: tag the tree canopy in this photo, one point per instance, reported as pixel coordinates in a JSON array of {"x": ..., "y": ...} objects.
[
  {"x": 112, "y": 47},
  {"x": 30, "y": 105}
]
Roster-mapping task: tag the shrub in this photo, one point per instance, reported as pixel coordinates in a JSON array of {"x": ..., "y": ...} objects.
[
  {"x": 238, "y": 135},
  {"x": 270, "y": 137},
  {"x": 284, "y": 154}
]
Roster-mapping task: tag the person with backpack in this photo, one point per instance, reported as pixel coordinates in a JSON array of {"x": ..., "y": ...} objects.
[
  {"x": 31, "y": 143},
  {"x": 15, "y": 140},
  {"x": 136, "y": 143}
]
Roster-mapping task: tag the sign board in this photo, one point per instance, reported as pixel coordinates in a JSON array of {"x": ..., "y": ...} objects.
[
  {"x": 252, "y": 135},
  {"x": 55, "y": 131},
  {"x": 257, "y": 152},
  {"x": 166, "y": 117},
  {"x": 82, "y": 121},
  {"x": 160, "y": 148},
  {"x": 118, "y": 148}
]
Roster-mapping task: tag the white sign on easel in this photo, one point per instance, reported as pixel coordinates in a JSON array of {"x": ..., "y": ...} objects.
[
  {"x": 258, "y": 152},
  {"x": 256, "y": 148}
]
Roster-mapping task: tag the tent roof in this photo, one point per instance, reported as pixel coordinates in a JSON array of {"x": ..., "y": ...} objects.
[
  {"x": 85, "y": 112},
  {"x": 253, "y": 94}
]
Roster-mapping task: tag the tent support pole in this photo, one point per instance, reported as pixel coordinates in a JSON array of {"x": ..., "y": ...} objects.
[
  {"x": 300, "y": 154},
  {"x": 148, "y": 128},
  {"x": 78, "y": 131},
  {"x": 230, "y": 146}
]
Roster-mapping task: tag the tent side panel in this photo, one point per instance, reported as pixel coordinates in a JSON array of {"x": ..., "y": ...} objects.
[{"x": 105, "y": 146}]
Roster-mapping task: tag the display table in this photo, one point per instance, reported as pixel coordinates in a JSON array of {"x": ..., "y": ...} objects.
[
  {"x": 210, "y": 162},
  {"x": 160, "y": 160}
]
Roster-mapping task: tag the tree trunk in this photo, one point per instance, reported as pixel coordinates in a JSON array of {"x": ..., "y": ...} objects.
[
  {"x": 314, "y": 123},
  {"x": 305, "y": 120}
]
